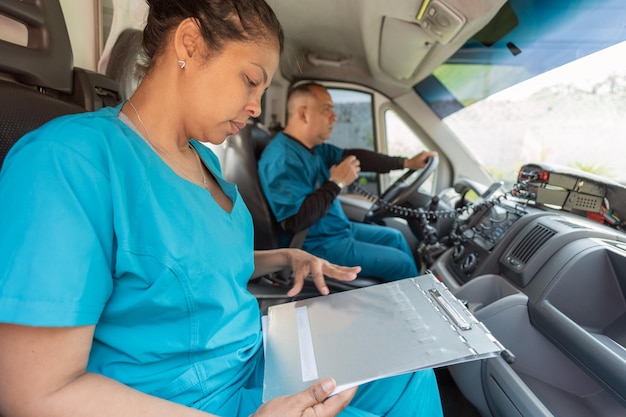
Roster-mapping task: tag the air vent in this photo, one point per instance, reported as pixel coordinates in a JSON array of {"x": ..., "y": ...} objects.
[
  {"x": 522, "y": 253},
  {"x": 571, "y": 224}
]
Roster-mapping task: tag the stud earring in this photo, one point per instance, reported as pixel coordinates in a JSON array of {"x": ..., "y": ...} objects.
[{"x": 181, "y": 63}]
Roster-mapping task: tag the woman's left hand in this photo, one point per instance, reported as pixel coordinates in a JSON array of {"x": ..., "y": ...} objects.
[
  {"x": 312, "y": 402},
  {"x": 304, "y": 265}
]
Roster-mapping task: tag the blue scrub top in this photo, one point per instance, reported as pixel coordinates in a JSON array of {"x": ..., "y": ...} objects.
[
  {"x": 289, "y": 172},
  {"x": 97, "y": 229}
]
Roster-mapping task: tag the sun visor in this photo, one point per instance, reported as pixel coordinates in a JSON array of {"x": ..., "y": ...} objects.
[
  {"x": 413, "y": 45},
  {"x": 403, "y": 46}
]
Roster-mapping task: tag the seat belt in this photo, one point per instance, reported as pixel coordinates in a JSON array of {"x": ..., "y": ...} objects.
[
  {"x": 298, "y": 239},
  {"x": 285, "y": 275}
]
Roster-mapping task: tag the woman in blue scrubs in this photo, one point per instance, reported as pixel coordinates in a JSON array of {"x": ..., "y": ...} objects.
[{"x": 124, "y": 255}]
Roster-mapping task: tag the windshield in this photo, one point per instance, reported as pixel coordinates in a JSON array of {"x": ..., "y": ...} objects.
[{"x": 572, "y": 116}]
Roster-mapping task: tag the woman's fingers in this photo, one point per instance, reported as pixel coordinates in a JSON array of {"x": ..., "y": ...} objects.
[
  {"x": 312, "y": 402},
  {"x": 328, "y": 406},
  {"x": 319, "y": 269}
]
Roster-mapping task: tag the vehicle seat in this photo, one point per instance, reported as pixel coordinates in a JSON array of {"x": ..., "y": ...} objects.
[
  {"x": 239, "y": 155},
  {"x": 37, "y": 79},
  {"x": 239, "y": 163},
  {"x": 124, "y": 62}
]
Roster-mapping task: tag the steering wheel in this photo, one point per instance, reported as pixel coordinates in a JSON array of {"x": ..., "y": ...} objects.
[{"x": 400, "y": 190}]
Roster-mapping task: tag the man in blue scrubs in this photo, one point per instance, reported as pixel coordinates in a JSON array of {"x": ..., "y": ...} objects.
[{"x": 302, "y": 176}]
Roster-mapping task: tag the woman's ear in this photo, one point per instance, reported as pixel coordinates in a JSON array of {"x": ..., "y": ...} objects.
[{"x": 188, "y": 41}]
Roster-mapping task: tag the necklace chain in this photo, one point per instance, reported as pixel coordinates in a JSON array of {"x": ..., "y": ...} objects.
[{"x": 162, "y": 151}]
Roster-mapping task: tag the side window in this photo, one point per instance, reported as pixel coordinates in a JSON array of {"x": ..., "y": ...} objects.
[
  {"x": 354, "y": 128},
  {"x": 106, "y": 19},
  {"x": 402, "y": 141}
]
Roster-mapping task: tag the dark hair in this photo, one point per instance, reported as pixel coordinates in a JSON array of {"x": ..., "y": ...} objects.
[{"x": 219, "y": 21}]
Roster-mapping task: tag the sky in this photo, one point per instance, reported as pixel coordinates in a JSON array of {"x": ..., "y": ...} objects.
[{"x": 584, "y": 73}]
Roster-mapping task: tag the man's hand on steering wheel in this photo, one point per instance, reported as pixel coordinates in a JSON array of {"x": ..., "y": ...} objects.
[
  {"x": 419, "y": 161},
  {"x": 401, "y": 190}
]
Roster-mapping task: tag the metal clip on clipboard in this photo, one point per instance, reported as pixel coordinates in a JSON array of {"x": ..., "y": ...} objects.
[{"x": 450, "y": 310}]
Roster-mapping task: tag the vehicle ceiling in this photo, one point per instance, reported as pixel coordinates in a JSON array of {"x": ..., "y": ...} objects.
[{"x": 383, "y": 45}]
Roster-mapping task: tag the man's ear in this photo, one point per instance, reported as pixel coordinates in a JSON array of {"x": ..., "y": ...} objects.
[
  {"x": 302, "y": 114},
  {"x": 188, "y": 41}
]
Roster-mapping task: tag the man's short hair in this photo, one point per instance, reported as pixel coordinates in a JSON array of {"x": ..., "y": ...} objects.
[{"x": 300, "y": 90}]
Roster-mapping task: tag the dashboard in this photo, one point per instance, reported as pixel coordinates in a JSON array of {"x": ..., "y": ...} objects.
[
  {"x": 551, "y": 286},
  {"x": 478, "y": 234}
]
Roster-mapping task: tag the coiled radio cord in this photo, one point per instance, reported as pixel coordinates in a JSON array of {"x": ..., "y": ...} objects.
[{"x": 429, "y": 215}]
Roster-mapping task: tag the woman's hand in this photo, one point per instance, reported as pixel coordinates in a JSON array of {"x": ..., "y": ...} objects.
[
  {"x": 304, "y": 265},
  {"x": 313, "y": 402}
]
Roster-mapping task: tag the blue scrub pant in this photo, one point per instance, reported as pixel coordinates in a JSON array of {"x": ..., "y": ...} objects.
[
  {"x": 380, "y": 251},
  {"x": 408, "y": 395}
]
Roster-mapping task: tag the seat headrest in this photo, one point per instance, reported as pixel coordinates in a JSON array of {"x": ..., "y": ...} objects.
[
  {"x": 46, "y": 60},
  {"x": 124, "y": 62}
]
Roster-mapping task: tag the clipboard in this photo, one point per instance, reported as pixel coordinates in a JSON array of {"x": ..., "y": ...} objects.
[{"x": 374, "y": 332}]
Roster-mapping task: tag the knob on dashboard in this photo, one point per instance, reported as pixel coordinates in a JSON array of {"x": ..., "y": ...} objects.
[
  {"x": 457, "y": 252},
  {"x": 469, "y": 263}
]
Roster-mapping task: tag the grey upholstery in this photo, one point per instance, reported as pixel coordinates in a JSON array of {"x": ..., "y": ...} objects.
[
  {"x": 47, "y": 60},
  {"x": 38, "y": 81},
  {"x": 239, "y": 164},
  {"x": 124, "y": 64},
  {"x": 23, "y": 109}
]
